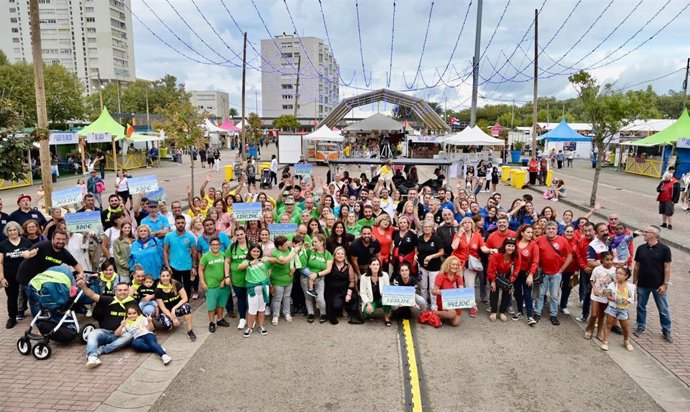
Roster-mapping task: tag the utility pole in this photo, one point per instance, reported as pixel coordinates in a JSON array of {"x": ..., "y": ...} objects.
[
  {"x": 119, "y": 109},
  {"x": 41, "y": 109},
  {"x": 475, "y": 64},
  {"x": 299, "y": 61},
  {"x": 685, "y": 84},
  {"x": 536, "y": 79},
  {"x": 244, "y": 95},
  {"x": 445, "y": 110},
  {"x": 256, "y": 102},
  {"x": 512, "y": 114}
]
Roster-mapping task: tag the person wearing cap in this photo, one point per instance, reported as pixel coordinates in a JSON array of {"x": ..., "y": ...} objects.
[
  {"x": 26, "y": 212},
  {"x": 158, "y": 224}
]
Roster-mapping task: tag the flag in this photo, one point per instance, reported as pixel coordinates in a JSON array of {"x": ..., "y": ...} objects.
[
  {"x": 129, "y": 130},
  {"x": 454, "y": 121}
]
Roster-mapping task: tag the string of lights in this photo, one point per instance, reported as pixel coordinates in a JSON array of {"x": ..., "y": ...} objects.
[
  {"x": 493, "y": 34},
  {"x": 390, "y": 60},
  {"x": 328, "y": 38},
  {"x": 421, "y": 54},
  {"x": 361, "y": 51}
]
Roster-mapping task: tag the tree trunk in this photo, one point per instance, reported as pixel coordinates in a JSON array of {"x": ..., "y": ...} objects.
[{"x": 597, "y": 171}]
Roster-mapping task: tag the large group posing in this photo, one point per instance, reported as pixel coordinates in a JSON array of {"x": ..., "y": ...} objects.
[{"x": 354, "y": 236}]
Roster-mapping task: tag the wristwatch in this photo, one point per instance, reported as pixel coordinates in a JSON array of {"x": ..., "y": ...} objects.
[{"x": 668, "y": 283}]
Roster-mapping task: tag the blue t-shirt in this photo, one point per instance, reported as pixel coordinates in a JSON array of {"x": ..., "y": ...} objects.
[
  {"x": 180, "y": 250},
  {"x": 203, "y": 246},
  {"x": 160, "y": 223}
]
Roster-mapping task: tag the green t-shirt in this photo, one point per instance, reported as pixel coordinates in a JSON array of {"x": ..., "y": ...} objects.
[
  {"x": 318, "y": 261},
  {"x": 303, "y": 255},
  {"x": 307, "y": 238},
  {"x": 366, "y": 222},
  {"x": 236, "y": 254},
  {"x": 354, "y": 231},
  {"x": 257, "y": 273},
  {"x": 295, "y": 216},
  {"x": 280, "y": 273},
  {"x": 214, "y": 268}
]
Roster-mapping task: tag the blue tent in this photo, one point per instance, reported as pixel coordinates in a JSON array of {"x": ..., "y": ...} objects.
[{"x": 563, "y": 133}]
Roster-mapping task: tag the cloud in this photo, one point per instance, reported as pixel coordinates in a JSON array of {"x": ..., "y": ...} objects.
[{"x": 569, "y": 44}]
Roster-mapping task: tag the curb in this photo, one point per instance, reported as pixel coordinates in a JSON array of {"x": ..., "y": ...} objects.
[{"x": 634, "y": 225}]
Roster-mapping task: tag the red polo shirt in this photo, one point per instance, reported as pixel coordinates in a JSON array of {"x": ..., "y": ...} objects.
[
  {"x": 495, "y": 240},
  {"x": 550, "y": 260},
  {"x": 443, "y": 282}
]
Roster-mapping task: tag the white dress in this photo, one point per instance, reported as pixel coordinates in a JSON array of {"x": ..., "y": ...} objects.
[{"x": 80, "y": 250}]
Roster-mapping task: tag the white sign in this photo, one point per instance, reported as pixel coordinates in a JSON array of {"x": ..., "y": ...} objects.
[
  {"x": 398, "y": 295},
  {"x": 84, "y": 222},
  {"x": 98, "y": 138},
  {"x": 67, "y": 196},
  {"x": 63, "y": 138},
  {"x": 143, "y": 184},
  {"x": 460, "y": 298},
  {"x": 683, "y": 143}
]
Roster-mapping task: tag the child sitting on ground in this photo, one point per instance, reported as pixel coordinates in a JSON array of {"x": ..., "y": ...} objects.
[
  {"x": 147, "y": 297},
  {"x": 141, "y": 329},
  {"x": 620, "y": 294}
]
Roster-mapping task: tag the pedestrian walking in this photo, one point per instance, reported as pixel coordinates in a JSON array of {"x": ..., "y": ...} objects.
[{"x": 669, "y": 195}]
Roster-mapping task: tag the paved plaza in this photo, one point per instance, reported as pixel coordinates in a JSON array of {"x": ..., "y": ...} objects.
[{"x": 300, "y": 366}]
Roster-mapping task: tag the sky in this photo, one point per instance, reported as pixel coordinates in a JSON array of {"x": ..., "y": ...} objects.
[{"x": 631, "y": 43}]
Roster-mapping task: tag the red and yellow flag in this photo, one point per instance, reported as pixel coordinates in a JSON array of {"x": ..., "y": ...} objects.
[{"x": 129, "y": 130}]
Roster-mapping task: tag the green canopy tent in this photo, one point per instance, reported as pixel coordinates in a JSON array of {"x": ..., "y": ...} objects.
[{"x": 677, "y": 135}]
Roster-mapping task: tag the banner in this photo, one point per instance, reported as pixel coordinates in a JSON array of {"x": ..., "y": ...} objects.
[
  {"x": 98, "y": 138},
  {"x": 67, "y": 196},
  {"x": 283, "y": 229},
  {"x": 461, "y": 298},
  {"x": 246, "y": 211},
  {"x": 682, "y": 143},
  {"x": 63, "y": 138},
  {"x": 303, "y": 169},
  {"x": 142, "y": 184},
  {"x": 398, "y": 295},
  {"x": 157, "y": 195},
  {"x": 84, "y": 222}
]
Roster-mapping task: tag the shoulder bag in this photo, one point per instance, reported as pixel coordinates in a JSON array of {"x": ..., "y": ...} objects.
[
  {"x": 538, "y": 277},
  {"x": 503, "y": 281}
]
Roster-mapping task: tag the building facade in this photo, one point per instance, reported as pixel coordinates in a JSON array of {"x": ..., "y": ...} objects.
[
  {"x": 92, "y": 38},
  {"x": 215, "y": 103},
  {"x": 319, "y": 89}
]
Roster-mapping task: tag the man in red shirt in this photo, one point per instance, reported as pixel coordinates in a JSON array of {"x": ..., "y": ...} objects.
[
  {"x": 669, "y": 193},
  {"x": 495, "y": 240},
  {"x": 585, "y": 269},
  {"x": 555, "y": 255}
]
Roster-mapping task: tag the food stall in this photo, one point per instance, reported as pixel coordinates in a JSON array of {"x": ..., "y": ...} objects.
[{"x": 322, "y": 145}]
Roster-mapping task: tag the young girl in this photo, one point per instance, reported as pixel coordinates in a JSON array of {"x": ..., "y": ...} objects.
[
  {"x": 141, "y": 329},
  {"x": 620, "y": 245},
  {"x": 258, "y": 283},
  {"x": 620, "y": 294},
  {"x": 172, "y": 302},
  {"x": 602, "y": 276}
]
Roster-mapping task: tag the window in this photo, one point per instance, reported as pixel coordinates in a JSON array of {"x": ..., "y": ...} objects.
[
  {"x": 15, "y": 40},
  {"x": 287, "y": 86},
  {"x": 320, "y": 58},
  {"x": 287, "y": 97},
  {"x": 288, "y": 106},
  {"x": 285, "y": 55},
  {"x": 15, "y": 30},
  {"x": 90, "y": 19},
  {"x": 13, "y": 20},
  {"x": 90, "y": 29},
  {"x": 320, "y": 108},
  {"x": 88, "y": 9},
  {"x": 12, "y": 10}
]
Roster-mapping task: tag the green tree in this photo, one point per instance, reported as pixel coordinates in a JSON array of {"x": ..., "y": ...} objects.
[
  {"x": 286, "y": 122},
  {"x": 608, "y": 111},
  {"x": 3, "y": 59},
  {"x": 13, "y": 146},
  {"x": 233, "y": 112}
]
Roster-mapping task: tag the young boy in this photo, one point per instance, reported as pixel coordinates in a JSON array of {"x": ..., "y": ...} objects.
[{"x": 147, "y": 299}]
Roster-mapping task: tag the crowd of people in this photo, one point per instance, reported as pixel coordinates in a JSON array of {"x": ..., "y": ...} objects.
[{"x": 353, "y": 237}]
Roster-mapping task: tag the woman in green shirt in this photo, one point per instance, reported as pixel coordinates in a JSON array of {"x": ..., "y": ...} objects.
[
  {"x": 213, "y": 281},
  {"x": 281, "y": 278},
  {"x": 234, "y": 255},
  {"x": 319, "y": 263},
  {"x": 351, "y": 225},
  {"x": 257, "y": 286}
]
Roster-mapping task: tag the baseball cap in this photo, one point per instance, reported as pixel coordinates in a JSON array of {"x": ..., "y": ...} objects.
[{"x": 23, "y": 196}]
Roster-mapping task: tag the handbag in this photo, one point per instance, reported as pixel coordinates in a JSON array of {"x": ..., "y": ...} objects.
[
  {"x": 474, "y": 264},
  {"x": 538, "y": 277},
  {"x": 503, "y": 283}
]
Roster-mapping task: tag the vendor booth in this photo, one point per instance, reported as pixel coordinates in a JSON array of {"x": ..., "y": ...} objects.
[
  {"x": 322, "y": 145},
  {"x": 470, "y": 136},
  {"x": 564, "y": 138},
  {"x": 422, "y": 147}
]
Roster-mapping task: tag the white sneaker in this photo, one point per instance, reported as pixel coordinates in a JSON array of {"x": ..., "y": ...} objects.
[
  {"x": 267, "y": 311},
  {"x": 242, "y": 324},
  {"x": 288, "y": 318},
  {"x": 274, "y": 322},
  {"x": 166, "y": 359},
  {"x": 89, "y": 313},
  {"x": 566, "y": 311},
  {"x": 92, "y": 362}
]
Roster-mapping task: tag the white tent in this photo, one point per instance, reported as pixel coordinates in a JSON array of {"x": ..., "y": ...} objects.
[
  {"x": 472, "y": 136},
  {"x": 323, "y": 133},
  {"x": 208, "y": 126}
]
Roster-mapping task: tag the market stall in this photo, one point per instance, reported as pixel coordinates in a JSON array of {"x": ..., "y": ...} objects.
[
  {"x": 470, "y": 136},
  {"x": 564, "y": 138},
  {"x": 322, "y": 145}
]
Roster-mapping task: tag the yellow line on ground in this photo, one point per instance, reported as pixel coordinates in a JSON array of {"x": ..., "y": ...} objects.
[{"x": 414, "y": 374}]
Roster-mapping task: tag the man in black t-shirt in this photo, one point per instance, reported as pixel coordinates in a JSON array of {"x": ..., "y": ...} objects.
[
  {"x": 652, "y": 275},
  {"x": 363, "y": 249},
  {"x": 109, "y": 311},
  {"x": 25, "y": 212}
]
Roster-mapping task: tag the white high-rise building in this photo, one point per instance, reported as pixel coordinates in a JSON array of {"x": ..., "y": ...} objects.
[
  {"x": 215, "y": 103},
  {"x": 319, "y": 92},
  {"x": 92, "y": 38}
]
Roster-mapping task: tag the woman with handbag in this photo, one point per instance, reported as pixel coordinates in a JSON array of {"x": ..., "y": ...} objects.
[
  {"x": 449, "y": 278},
  {"x": 466, "y": 246},
  {"x": 503, "y": 271},
  {"x": 529, "y": 267}
]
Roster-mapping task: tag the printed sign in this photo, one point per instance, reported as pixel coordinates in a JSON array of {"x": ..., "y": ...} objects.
[
  {"x": 143, "y": 184},
  {"x": 398, "y": 295},
  {"x": 63, "y": 138},
  {"x": 246, "y": 211},
  {"x": 67, "y": 196},
  {"x": 157, "y": 195},
  {"x": 283, "y": 229},
  {"x": 84, "y": 222},
  {"x": 684, "y": 143},
  {"x": 461, "y": 298},
  {"x": 98, "y": 138},
  {"x": 303, "y": 169}
]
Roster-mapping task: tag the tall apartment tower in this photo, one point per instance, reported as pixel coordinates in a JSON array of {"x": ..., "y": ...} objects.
[
  {"x": 318, "y": 77},
  {"x": 92, "y": 38},
  {"x": 216, "y": 104}
]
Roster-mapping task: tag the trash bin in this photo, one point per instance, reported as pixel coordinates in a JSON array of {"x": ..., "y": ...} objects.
[
  {"x": 524, "y": 162},
  {"x": 549, "y": 177},
  {"x": 505, "y": 173},
  {"x": 228, "y": 173},
  {"x": 518, "y": 179}
]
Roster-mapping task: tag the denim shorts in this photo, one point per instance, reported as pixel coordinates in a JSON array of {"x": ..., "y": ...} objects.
[
  {"x": 620, "y": 314},
  {"x": 303, "y": 272}
]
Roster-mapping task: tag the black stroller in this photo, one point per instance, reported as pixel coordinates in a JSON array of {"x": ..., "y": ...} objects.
[
  {"x": 57, "y": 318},
  {"x": 266, "y": 181}
]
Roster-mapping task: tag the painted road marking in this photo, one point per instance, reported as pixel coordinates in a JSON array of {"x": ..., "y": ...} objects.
[{"x": 413, "y": 389}]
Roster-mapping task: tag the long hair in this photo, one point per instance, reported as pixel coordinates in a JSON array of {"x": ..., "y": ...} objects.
[
  {"x": 445, "y": 267},
  {"x": 509, "y": 241}
]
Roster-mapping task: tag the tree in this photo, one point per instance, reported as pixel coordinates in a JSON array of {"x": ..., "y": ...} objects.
[
  {"x": 254, "y": 129},
  {"x": 12, "y": 147},
  {"x": 285, "y": 122},
  {"x": 233, "y": 112},
  {"x": 608, "y": 111}
]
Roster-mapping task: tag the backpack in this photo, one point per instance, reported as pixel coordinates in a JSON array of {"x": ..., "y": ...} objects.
[{"x": 99, "y": 186}]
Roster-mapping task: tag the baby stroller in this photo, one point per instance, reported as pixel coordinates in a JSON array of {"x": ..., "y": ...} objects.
[
  {"x": 57, "y": 320},
  {"x": 266, "y": 181}
]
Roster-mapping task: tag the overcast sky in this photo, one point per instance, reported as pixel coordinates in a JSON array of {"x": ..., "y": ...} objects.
[{"x": 622, "y": 46}]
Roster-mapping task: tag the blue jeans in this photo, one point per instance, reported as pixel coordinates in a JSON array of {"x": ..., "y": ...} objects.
[
  {"x": 585, "y": 293},
  {"x": 552, "y": 283},
  {"x": 102, "y": 341},
  {"x": 148, "y": 308},
  {"x": 242, "y": 301},
  {"x": 148, "y": 343},
  {"x": 661, "y": 305},
  {"x": 523, "y": 293},
  {"x": 34, "y": 304}
]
